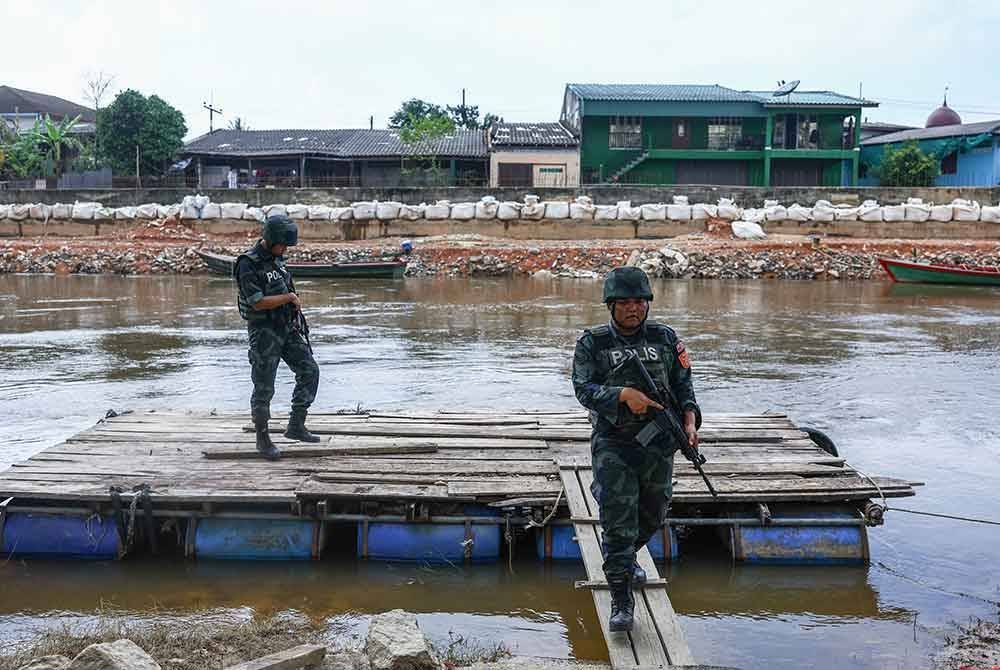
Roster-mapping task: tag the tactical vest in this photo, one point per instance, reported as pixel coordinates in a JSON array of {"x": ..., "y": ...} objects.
[{"x": 275, "y": 280}]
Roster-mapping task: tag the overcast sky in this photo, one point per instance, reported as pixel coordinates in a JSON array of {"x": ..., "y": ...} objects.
[{"x": 286, "y": 64}]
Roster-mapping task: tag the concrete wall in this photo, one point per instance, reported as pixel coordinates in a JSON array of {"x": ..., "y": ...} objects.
[
  {"x": 568, "y": 158},
  {"x": 746, "y": 196}
]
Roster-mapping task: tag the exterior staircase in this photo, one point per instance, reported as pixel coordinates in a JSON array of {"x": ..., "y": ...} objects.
[{"x": 628, "y": 167}]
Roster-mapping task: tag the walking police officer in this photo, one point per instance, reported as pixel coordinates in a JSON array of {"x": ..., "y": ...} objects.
[
  {"x": 632, "y": 482},
  {"x": 268, "y": 302}
]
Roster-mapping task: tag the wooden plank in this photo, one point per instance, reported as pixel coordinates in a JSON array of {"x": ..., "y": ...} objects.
[
  {"x": 505, "y": 486},
  {"x": 315, "y": 489},
  {"x": 601, "y": 584},
  {"x": 302, "y": 656},
  {"x": 312, "y": 452}
]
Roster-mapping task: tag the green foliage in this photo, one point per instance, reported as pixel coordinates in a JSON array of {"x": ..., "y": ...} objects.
[
  {"x": 418, "y": 135},
  {"x": 415, "y": 110},
  {"x": 465, "y": 116},
  {"x": 52, "y": 137},
  {"x": 907, "y": 165},
  {"x": 135, "y": 120},
  {"x": 22, "y": 157}
]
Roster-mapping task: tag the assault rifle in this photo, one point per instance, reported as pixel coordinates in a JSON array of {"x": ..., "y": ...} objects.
[
  {"x": 666, "y": 422},
  {"x": 299, "y": 324}
]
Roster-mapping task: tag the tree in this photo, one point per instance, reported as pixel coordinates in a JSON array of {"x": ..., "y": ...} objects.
[
  {"x": 907, "y": 165},
  {"x": 415, "y": 110},
  {"x": 21, "y": 156},
  {"x": 52, "y": 137},
  {"x": 150, "y": 124},
  {"x": 465, "y": 116},
  {"x": 238, "y": 124},
  {"x": 95, "y": 88},
  {"x": 418, "y": 135}
]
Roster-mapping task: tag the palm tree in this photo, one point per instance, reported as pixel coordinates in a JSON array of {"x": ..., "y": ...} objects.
[{"x": 54, "y": 136}]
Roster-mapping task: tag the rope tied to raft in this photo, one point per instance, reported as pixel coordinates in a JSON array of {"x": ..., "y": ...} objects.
[
  {"x": 544, "y": 522},
  {"x": 885, "y": 508},
  {"x": 509, "y": 539}
]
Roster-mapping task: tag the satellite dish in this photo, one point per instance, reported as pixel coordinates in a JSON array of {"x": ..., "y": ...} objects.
[{"x": 786, "y": 89}]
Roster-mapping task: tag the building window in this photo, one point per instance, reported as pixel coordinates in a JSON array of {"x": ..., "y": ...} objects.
[
  {"x": 949, "y": 164},
  {"x": 625, "y": 132},
  {"x": 725, "y": 133},
  {"x": 808, "y": 137}
]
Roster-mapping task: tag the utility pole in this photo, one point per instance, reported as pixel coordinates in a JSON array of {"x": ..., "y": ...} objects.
[{"x": 212, "y": 111}]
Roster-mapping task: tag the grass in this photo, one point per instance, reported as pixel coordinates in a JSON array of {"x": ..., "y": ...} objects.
[
  {"x": 973, "y": 645},
  {"x": 462, "y": 651}
]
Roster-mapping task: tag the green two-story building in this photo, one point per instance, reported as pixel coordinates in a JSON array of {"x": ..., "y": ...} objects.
[{"x": 681, "y": 134}]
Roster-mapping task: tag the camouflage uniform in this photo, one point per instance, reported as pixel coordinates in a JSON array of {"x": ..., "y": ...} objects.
[
  {"x": 632, "y": 483},
  {"x": 273, "y": 333}
]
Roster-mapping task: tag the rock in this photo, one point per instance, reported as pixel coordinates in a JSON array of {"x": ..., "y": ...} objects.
[
  {"x": 117, "y": 655},
  {"x": 542, "y": 274},
  {"x": 47, "y": 663},
  {"x": 346, "y": 660},
  {"x": 396, "y": 643}
]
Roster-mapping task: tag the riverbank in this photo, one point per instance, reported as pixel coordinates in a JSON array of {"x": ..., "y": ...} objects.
[{"x": 158, "y": 248}]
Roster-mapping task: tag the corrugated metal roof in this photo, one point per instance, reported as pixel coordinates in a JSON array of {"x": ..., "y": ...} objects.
[
  {"x": 812, "y": 98},
  {"x": 532, "y": 134},
  {"x": 661, "y": 93},
  {"x": 337, "y": 143},
  {"x": 957, "y": 130}
]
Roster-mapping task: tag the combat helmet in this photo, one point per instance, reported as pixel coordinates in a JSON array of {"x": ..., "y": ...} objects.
[
  {"x": 626, "y": 282},
  {"x": 279, "y": 229}
]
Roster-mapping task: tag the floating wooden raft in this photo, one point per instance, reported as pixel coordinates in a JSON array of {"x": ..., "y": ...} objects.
[{"x": 494, "y": 458}]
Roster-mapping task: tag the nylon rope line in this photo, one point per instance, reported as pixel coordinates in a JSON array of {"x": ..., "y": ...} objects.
[
  {"x": 955, "y": 517},
  {"x": 541, "y": 524}
]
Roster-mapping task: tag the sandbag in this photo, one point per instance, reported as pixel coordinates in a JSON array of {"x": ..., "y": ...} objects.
[
  {"x": 893, "y": 212},
  {"x": 104, "y": 214},
  {"x": 200, "y": 201},
  {"x": 823, "y": 210},
  {"x": 40, "y": 212},
  {"x": 845, "y": 213},
  {"x": 941, "y": 213},
  {"x": 439, "y": 210},
  {"x": 147, "y": 211},
  {"x": 19, "y": 212},
  {"x": 581, "y": 211},
  {"x": 61, "y": 211},
  {"x": 167, "y": 211},
  {"x": 990, "y": 214},
  {"x": 654, "y": 212},
  {"x": 626, "y": 212},
  {"x": 3, "y": 211},
  {"x": 679, "y": 211},
  {"x": 916, "y": 210},
  {"x": 703, "y": 211},
  {"x": 211, "y": 211},
  {"x": 487, "y": 208},
  {"x": 532, "y": 209},
  {"x": 412, "y": 212},
  {"x": 728, "y": 210},
  {"x": 753, "y": 215},
  {"x": 870, "y": 211},
  {"x": 275, "y": 210},
  {"x": 605, "y": 212},
  {"x": 124, "y": 213},
  {"x": 232, "y": 210},
  {"x": 774, "y": 212},
  {"x": 748, "y": 230},
  {"x": 297, "y": 212},
  {"x": 363, "y": 211},
  {"x": 341, "y": 213},
  {"x": 556, "y": 210},
  {"x": 509, "y": 210},
  {"x": 387, "y": 211},
  {"x": 463, "y": 211},
  {"x": 319, "y": 212},
  {"x": 254, "y": 214},
  {"x": 681, "y": 200},
  {"x": 965, "y": 210},
  {"x": 798, "y": 213}
]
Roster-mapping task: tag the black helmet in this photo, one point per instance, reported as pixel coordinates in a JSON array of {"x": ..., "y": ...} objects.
[
  {"x": 627, "y": 282},
  {"x": 279, "y": 229}
]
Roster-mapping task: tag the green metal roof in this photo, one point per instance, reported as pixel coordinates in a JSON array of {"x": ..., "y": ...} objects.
[
  {"x": 661, "y": 93},
  {"x": 811, "y": 98}
]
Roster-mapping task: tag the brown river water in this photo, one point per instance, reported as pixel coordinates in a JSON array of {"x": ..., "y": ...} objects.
[{"x": 905, "y": 380}]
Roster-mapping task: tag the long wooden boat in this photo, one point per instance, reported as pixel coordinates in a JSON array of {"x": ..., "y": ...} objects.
[
  {"x": 223, "y": 264},
  {"x": 924, "y": 273}
]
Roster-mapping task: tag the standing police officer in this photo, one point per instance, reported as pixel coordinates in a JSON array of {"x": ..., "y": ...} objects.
[
  {"x": 632, "y": 483},
  {"x": 268, "y": 302}
]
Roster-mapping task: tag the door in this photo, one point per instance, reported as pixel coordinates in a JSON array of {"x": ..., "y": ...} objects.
[
  {"x": 718, "y": 172},
  {"x": 517, "y": 175},
  {"x": 682, "y": 134}
]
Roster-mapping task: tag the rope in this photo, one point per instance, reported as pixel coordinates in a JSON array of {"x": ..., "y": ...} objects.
[
  {"x": 509, "y": 538},
  {"x": 130, "y": 534},
  {"x": 544, "y": 522},
  {"x": 947, "y": 516}
]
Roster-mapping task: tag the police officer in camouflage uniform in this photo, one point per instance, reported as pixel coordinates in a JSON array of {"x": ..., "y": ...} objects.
[
  {"x": 268, "y": 302},
  {"x": 632, "y": 483}
]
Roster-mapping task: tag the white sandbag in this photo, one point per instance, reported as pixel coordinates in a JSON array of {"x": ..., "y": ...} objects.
[
  {"x": 990, "y": 214},
  {"x": 200, "y": 201},
  {"x": 823, "y": 211},
  {"x": 211, "y": 211},
  {"x": 584, "y": 200},
  {"x": 61, "y": 211},
  {"x": 555, "y": 209},
  {"x": 679, "y": 211},
  {"x": 40, "y": 212},
  {"x": 748, "y": 230},
  {"x": 728, "y": 210},
  {"x": 147, "y": 211},
  {"x": 296, "y": 211},
  {"x": 341, "y": 213},
  {"x": 965, "y": 210},
  {"x": 703, "y": 211},
  {"x": 845, "y": 213},
  {"x": 84, "y": 210},
  {"x": 893, "y": 212},
  {"x": 463, "y": 211},
  {"x": 124, "y": 213},
  {"x": 487, "y": 208},
  {"x": 387, "y": 211},
  {"x": 753, "y": 215},
  {"x": 774, "y": 212},
  {"x": 941, "y": 213},
  {"x": 680, "y": 200},
  {"x": 532, "y": 210},
  {"x": 363, "y": 211},
  {"x": 626, "y": 212},
  {"x": 439, "y": 210},
  {"x": 581, "y": 211},
  {"x": 412, "y": 212},
  {"x": 654, "y": 211},
  {"x": 916, "y": 210},
  {"x": 318, "y": 212},
  {"x": 605, "y": 212},
  {"x": 870, "y": 210},
  {"x": 277, "y": 210},
  {"x": 798, "y": 213},
  {"x": 104, "y": 214},
  {"x": 509, "y": 210},
  {"x": 254, "y": 214},
  {"x": 189, "y": 212},
  {"x": 19, "y": 212},
  {"x": 531, "y": 199},
  {"x": 232, "y": 210},
  {"x": 3, "y": 211}
]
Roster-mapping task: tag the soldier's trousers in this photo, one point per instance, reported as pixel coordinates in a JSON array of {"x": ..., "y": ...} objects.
[
  {"x": 270, "y": 344},
  {"x": 632, "y": 486}
]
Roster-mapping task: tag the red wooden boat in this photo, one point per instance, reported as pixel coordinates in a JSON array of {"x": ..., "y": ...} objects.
[{"x": 925, "y": 273}]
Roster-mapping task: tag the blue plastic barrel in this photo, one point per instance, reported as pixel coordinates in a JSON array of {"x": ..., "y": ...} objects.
[
  {"x": 565, "y": 547},
  {"x": 820, "y": 545},
  {"x": 33, "y": 534},
  {"x": 256, "y": 539}
]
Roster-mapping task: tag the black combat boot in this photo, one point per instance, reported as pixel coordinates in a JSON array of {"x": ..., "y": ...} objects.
[
  {"x": 622, "y": 606},
  {"x": 265, "y": 446},
  {"x": 297, "y": 428},
  {"x": 638, "y": 575}
]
